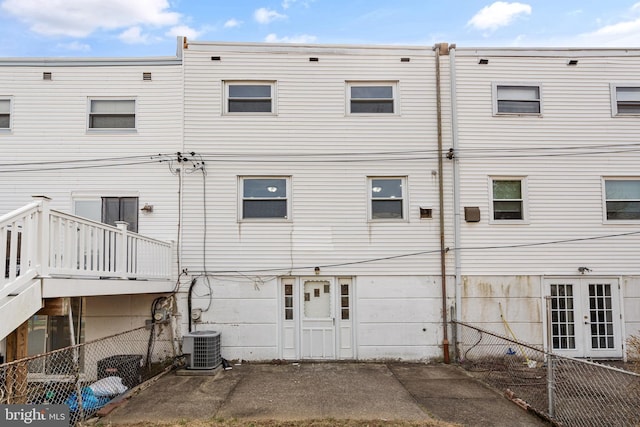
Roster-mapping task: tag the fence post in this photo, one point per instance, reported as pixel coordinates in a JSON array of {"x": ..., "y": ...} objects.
[
  {"x": 121, "y": 250},
  {"x": 550, "y": 361},
  {"x": 43, "y": 240}
]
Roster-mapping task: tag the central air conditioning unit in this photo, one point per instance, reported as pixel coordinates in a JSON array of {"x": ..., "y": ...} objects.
[{"x": 202, "y": 349}]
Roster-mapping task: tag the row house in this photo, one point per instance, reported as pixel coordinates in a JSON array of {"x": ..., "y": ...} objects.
[{"x": 324, "y": 201}]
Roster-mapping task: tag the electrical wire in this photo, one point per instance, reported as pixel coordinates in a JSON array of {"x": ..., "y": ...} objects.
[{"x": 435, "y": 251}]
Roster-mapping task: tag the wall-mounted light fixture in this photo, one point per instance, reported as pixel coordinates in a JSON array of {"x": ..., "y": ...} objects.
[
  {"x": 147, "y": 208},
  {"x": 583, "y": 270},
  {"x": 317, "y": 270}
]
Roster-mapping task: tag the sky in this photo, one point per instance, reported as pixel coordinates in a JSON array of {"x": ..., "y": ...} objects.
[{"x": 142, "y": 28}]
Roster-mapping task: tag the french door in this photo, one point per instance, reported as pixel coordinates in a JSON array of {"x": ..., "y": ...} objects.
[{"x": 585, "y": 317}]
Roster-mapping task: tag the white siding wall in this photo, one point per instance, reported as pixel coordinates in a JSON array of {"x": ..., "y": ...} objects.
[
  {"x": 329, "y": 198},
  {"x": 565, "y": 194},
  {"x": 565, "y": 191},
  {"x": 312, "y": 140},
  {"x": 50, "y": 124}
]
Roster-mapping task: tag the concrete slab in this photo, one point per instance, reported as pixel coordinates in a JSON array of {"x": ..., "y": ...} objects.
[
  {"x": 450, "y": 394},
  {"x": 321, "y": 390},
  {"x": 356, "y": 391}
]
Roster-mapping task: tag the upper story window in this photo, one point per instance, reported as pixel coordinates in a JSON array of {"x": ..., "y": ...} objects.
[
  {"x": 508, "y": 199},
  {"x": 622, "y": 199},
  {"x": 516, "y": 99},
  {"x": 372, "y": 97},
  {"x": 387, "y": 198},
  {"x": 265, "y": 198},
  {"x": 5, "y": 114},
  {"x": 112, "y": 114},
  {"x": 625, "y": 100},
  {"x": 249, "y": 97}
]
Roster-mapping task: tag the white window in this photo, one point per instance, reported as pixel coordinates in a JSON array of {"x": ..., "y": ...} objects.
[
  {"x": 5, "y": 114},
  {"x": 508, "y": 199},
  {"x": 387, "y": 198},
  {"x": 622, "y": 199},
  {"x": 112, "y": 114},
  {"x": 264, "y": 198},
  {"x": 516, "y": 98},
  {"x": 371, "y": 97},
  {"x": 625, "y": 100},
  {"x": 108, "y": 209},
  {"x": 249, "y": 97}
]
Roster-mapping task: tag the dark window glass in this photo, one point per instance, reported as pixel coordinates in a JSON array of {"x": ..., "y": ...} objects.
[{"x": 120, "y": 209}]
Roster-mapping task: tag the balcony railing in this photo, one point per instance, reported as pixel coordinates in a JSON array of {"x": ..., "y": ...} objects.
[{"x": 44, "y": 243}]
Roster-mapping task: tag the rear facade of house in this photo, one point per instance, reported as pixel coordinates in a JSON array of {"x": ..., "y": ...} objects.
[
  {"x": 310, "y": 203},
  {"x": 548, "y": 155}
]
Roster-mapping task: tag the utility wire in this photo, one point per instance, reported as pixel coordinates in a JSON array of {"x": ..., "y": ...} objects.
[{"x": 412, "y": 254}]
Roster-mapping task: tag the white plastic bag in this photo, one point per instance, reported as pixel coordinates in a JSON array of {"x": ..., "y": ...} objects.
[{"x": 109, "y": 386}]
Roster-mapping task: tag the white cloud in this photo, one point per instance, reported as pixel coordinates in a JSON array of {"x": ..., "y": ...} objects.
[
  {"x": 74, "y": 46},
  {"x": 133, "y": 35},
  {"x": 498, "y": 14},
  {"x": 622, "y": 34},
  {"x": 302, "y": 38},
  {"x": 184, "y": 30},
  {"x": 265, "y": 16},
  {"x": 231, "y": 23},
  {"x": 286, "y": 4},
  {"x": 79, "y": 18}
]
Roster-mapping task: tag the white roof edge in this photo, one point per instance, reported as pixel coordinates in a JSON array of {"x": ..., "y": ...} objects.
[
  {"x": 311, "y": 46},
  {"x": 95, "y": 62},
  {"x": 86, "y": 62},
  {"x": 547, "y": 51}
]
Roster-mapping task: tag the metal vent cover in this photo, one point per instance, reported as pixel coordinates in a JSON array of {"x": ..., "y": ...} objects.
[{"x": 203, "y": 349}]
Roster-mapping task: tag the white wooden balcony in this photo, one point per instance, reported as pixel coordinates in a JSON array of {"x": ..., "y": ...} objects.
[{"x": 52, "y": 254}]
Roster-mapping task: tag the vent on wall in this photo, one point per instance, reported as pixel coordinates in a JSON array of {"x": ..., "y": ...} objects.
[
  {"x": 46, "y": 76},
  {"x": 146, "y": 76},
  {"x": 202, "y": 349}
]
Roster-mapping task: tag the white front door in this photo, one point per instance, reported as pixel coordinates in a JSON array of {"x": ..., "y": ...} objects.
[
  {"x": 585, "y": 317},
  {"x": 316, "y": 318}
]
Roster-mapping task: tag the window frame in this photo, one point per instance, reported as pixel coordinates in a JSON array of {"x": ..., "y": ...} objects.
[
  {"x": 374, "y": 83},
  {"x": 108, "y": 129},
  {"x": 241, "y": 198},
  {"x": 605, "y": 218},
  {"x": 495, "y": 99},
  {"x": 523, "y": 199},
  {"x": 371, "y": 200},
  {"x": 614, "y": 98},
  {"x": 10, "y": 113},
  {"x": 226, "y": 84}
]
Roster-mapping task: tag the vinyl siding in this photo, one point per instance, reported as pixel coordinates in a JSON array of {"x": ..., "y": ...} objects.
[
  {"x": 565, "y": 193},
  {"x": 322, "y": 149},
  {"x": 50, "y": 125}
]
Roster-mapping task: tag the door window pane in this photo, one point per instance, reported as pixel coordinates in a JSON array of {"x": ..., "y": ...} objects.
[{"x": 318, "y": 304}]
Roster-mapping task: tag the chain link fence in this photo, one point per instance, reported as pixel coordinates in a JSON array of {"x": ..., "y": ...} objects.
[
  {"x": 566, "y": 391},
  {"x": 88, "y": 376}
]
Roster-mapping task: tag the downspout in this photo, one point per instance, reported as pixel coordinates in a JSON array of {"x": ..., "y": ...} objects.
[
  {"x": 456, "y": 191},
  {"x": 441, "y": 47}
]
